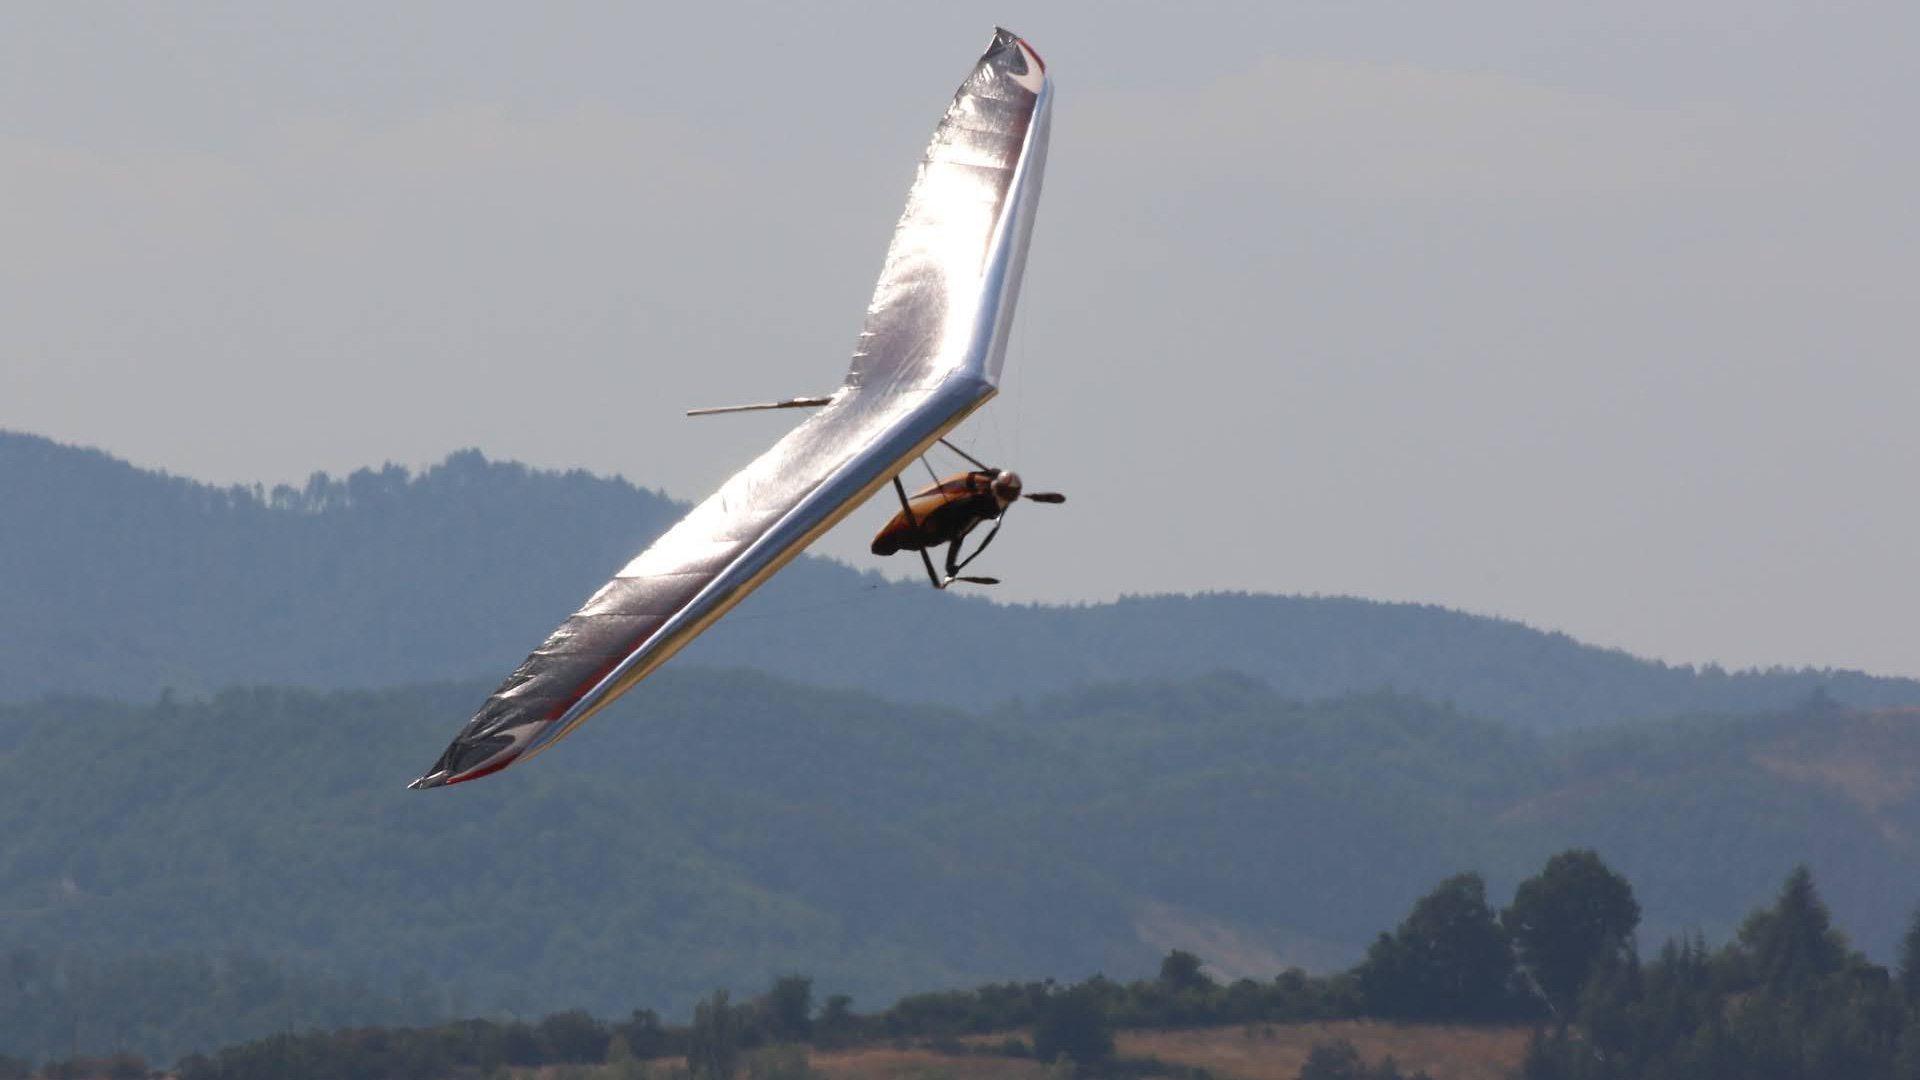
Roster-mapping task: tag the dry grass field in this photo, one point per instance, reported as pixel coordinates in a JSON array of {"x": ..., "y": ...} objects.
[
  {"x": 1252, "y": 1052},
  {"x": 881, "y": 1063},
  {"x": 1276, "y": 1051}
]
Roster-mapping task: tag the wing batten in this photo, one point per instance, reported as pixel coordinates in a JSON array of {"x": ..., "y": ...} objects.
[{"x": 929, "y": 353}]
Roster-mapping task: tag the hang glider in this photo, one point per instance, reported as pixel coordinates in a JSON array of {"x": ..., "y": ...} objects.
[{"x": 929, "y": 355}]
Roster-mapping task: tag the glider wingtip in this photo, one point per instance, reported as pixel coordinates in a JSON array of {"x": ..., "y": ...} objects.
[
  {"x": 1004, "y": 36},
  {"x": 446, "y": 775}
]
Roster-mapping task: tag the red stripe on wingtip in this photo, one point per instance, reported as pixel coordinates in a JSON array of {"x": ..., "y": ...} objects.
[
  {"x": 1027, "y": 45},
  {"x": 488, "y": 771}
]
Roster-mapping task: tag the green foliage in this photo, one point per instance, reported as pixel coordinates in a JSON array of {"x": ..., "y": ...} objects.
[
  {"x": 1180, "y": 972},
  {"x": 1794, "y": 943},
  {"x": 646, "y": 1037},
  {"x": 713, "y": 1040},
  {"x": 574, "y": 1037},
  {"x": 994, "y": 1007},
  {"x": 1449, "y": 960},
  {"x": 787, "y": 1009},
  {"x": 1575, "y": 913},
  {"x": 1074, "y": 1023},
  {"x": 1788, "y": 1001},
  {"x": 1293, "y": 995},
  {"x": 1909, "y": 961},
  {"x": 837, "y": 1025},
  {"x": 469, "y": 1048}
]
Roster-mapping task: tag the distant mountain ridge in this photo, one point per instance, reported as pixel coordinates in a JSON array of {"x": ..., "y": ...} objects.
[{"x": 122, "y": 581}]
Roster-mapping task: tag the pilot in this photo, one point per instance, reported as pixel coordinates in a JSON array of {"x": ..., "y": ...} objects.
[{"x": 947, "y": 511}]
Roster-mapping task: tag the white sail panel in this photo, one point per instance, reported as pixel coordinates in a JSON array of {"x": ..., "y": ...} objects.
[{"x": 929, "y": 354}]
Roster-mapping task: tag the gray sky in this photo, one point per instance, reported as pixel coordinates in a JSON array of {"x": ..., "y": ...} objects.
[{"x": 1603, "y": 317}]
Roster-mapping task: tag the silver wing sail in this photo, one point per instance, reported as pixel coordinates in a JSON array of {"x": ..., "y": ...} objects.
[{"x": 929, "y": 354}]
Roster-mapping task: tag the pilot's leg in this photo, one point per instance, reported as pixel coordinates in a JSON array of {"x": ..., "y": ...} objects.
[{"x": 953, "y": 554}]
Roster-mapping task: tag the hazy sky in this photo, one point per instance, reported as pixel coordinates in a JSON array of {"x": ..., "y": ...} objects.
[{"x": 1602, "y": 317}]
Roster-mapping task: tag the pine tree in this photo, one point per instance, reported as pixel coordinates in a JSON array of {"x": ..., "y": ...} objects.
[{"x": 1793, "y": 943}]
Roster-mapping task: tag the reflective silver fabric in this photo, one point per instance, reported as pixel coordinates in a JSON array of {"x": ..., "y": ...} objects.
[{"x": 929, "y": 354}]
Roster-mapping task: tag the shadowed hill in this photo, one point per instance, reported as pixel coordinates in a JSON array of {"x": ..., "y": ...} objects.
[{"x": 123, "y": 582}]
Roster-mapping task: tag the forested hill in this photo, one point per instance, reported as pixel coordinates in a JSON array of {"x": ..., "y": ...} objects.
[
  {"x": 124, "y": 582},
  {"x": 727, "y": 826}
]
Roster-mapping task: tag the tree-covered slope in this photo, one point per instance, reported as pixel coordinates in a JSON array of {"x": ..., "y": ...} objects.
[
  {"x": 726, "y": 826},
  {"x": 123, "y": 582},
  {"x": 741, "y": 826}
]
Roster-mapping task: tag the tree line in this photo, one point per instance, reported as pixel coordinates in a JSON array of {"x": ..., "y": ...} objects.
[{"x": 1787, "y": 998}]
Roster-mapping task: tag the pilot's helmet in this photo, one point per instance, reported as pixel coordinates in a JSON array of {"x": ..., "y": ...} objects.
[{"x": 1006, "y": 486}]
